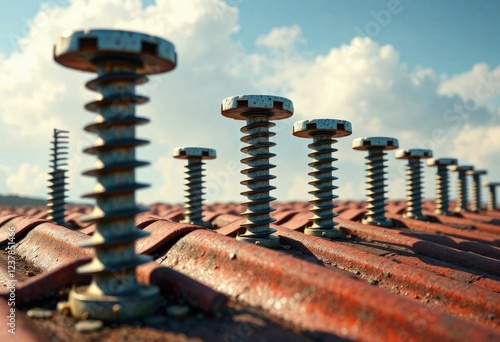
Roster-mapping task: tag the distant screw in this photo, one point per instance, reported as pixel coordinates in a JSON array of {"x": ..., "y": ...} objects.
[
  {"x": 322, "y": 131},
  {"x": 492, "y": 196},
  {"x": 194, "y": 181},
  {"x": 57, "y": 194},
  {"x": 462, "y": 194},
  {"x": 375, "y": 174},
  {"x": 257, "y": 110},
  {"x": 414, "y": 180},
  {"x": 476, "y": 189},
  {"x": 442, "y": 186},
  {"x": 122, "y": 61}
]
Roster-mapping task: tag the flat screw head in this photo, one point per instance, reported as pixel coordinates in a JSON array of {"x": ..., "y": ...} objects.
[
  {"x": 442, "y": 162},
  {"x": 336, "y": 128},
  {"x": 194, "y": 152},
  {"x": 491, "y": 184},
  {"x": 462, "y": 168},
  {"x": 368, "y": 143},
  {"x": 276, "y": 107},
  {"x": 477, "y": 172},
  {"x": 413, "y": 153},
  {"x": 78, "y": 50}
]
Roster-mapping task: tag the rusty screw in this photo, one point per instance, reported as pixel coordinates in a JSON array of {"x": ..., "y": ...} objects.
[
  {"x": 56, "y": 201},
  {"x": 462, "y": 194},
  {"x": 323, "y": 132},
  {"x": 122, "y": 60},
  {"x": 194, "y": 181},
  {"x": 492, "y": 196},
  {"x": 476, "y": 189},
  {"x": 375, "y": 175},
  {"x": 414, "y": 180},
  {"x": 257, "y": 111},
  {"x": 442, "y": 186}
]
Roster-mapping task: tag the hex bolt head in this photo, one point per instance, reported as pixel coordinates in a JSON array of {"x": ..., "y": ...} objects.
[
  {"x": 323, "y": 132},
  {"x": 476, "y": 188},
  {"x": 414, "y": 180},
  {"x": 462, "y": 194},
  {"x": 121, "y": 60},
  {"x": 194, "y": 181},
  {"x": 257, "y": 111},
  {"x": 375, "y": 176},
  {"x": 442, "y": 186},
  {"x": 492, "y": 196}
]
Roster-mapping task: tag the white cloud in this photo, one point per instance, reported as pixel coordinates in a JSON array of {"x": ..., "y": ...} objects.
[
  {"x": 362, "y": 82},
  {"x": 26, "y": 179}
]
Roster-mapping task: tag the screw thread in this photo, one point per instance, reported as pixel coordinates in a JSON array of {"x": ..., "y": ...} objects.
[
  {"x": 376, "y": 187},
  {"x": 476, "y": 193},
  {"x": 194, "y": 191},
  {"x": 258, "y": 203},
  {"x": 461, "y": 192},
  {"x": 442, "y": 191},
  {"x": 113, "y": 265},
  {"x": 492, "y": 199},
  {"x": 56, "y": 200},
  {"x": 324, "y": 217},
  {"x": 414, "y": 188}
]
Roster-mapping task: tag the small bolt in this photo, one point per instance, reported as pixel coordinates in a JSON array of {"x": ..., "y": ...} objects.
[
  {"x": 194, "y": 181},
  {"x": 375, "y": 175},
  {"x": 323, "y": 132},
  {"x": 462, "y": 193},
  {"x": 257, "y": 111},
  {"x": 492, "y": 196},
  {"x": 442, "y": 186},
  {"x": 122, "y": 60},
  {"x": 414, "y": 181},
  {"x": 476, "y": 189},
  {"x": 56, "y": 201}
]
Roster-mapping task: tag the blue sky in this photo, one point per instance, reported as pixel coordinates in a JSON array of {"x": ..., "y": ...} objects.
[{"x": 425, "y": 72}]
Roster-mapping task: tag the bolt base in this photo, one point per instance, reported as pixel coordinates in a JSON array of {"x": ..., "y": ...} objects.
[
  {"x": 205, "y": 224},
  {"x": 386, "y": 223},
  {"x": 416, "y": 217},
  {"x": 440, "y": 212},
  {"x": 114, "y": 308},
  {"x": 269, "y": 241},
  {"x": 331, "y": 233}
]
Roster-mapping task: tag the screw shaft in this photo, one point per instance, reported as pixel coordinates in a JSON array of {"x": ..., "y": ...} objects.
[
  {"x": 194, "y": 191},
  {"x": 414, "y": 188},
  {"x": 476, "y": 193},
  {"x": 461, "y": 192},
  {"x": 322, "y": 202},
  {"x": 57, "y": 194},
  {"x": 442, "y": 191},
  {"x": 258, "y": 203},
  {"x": 492, "y": 198},
  {"x": 376, "y": 187}
]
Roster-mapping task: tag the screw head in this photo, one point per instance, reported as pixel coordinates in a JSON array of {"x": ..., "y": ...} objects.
[
  {"x": 78, "y": 49},
  {"x": 462, "y": 168},
  {"x": 367, "y": 143},
  {"x": 477, "y": 172},
  {"x": 276, "y": 107},
  {"x": 491, "y": 184},
  {"x": 337, "y": 128},
  {"x": 442, "y": 162},
  {"x": 194, "y": 152},
  {"x": 415, "y": 153}
]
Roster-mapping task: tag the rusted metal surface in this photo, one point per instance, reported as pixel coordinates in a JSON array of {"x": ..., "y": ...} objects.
[
  {"x": 315, "y": 299},
  {"x": 22, "y": 225}
]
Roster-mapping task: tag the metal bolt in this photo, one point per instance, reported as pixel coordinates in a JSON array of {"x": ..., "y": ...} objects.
[
  {"x": 122, "y": 60},
  {"x": 375, "y": 174},
  {"x": 322, "y": 131},
  {"x": 462, "y": 194},
  {"x": 492, "y": 196},
  {"x": 194, "y": 181},
  {"x": 414, "y": 180},
  {"x": 442, "y": 186},
  {"x": 476, "y": 189},
  {"x": 57, "y": 194},
  {"x": 257, "y": 111}
]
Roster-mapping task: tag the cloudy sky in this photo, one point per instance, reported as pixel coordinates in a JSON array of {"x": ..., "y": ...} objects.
[{"x": 425, "y": 72}]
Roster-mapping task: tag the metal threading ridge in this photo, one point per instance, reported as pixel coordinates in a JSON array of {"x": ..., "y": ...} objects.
[
  {"x": 194, "y": 191},
  {"x": 376, "y": 187},
  {"x": 462, "y": 193},
  {"x": 57, "y": 194},
  {"x": 414, "y": 188},
  {"x": 442, "y": 190}
]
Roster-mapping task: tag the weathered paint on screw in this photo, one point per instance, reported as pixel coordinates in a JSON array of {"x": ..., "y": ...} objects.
[
  {"x": 375, "y": 175},
  {"x": 492, "y": 196},
  {"x": 462, "y": 191},
  {"x": 257, "y": 111},
  {"x": 121, "y": 60},
  {"x": 414, "y": 180},
  {"x": 56, "y": 203},
  {"x": 442, "y": 185},
  {"x": 194, "y": 181},
  {"x": 323, "y": 132},
  {"x": 476, "y": 189}
]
